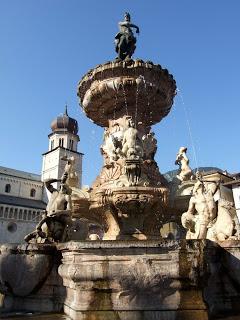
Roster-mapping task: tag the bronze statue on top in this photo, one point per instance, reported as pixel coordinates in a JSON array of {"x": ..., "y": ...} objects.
[{"x": 125, "y": 40}]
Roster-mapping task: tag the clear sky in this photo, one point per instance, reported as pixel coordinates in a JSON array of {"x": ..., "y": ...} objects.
[{"x": 46, "y": 46}]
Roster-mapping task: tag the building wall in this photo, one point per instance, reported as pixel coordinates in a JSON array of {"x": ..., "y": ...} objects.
[
  {"x": 236, "y": 196},
  {"x": 16, "y": 222},
  {"x": 21, "y": 187}
]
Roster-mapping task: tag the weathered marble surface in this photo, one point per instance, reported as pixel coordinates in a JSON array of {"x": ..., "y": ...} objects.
[
  {"x": 222, "y": 274},
  {"x": 185, "y": 172},
  {"x": 133, "y": 279},
  {"x": 211, "y": 213},
  {"x": 185, "y": 279},
  {"x": 29, "y": 279}
]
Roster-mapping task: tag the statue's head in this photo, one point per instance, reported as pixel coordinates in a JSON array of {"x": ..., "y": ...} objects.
[
  {"x": 198, "y": 175},
  {"x": 182, "y": 149},
  {"x": 127, "y": 16},
  {"x": 199, "y": 188},
  {"x": 130, "y": 122},
  {"x": 71, "y": 159},
  {"x": 64, "y": 188}
]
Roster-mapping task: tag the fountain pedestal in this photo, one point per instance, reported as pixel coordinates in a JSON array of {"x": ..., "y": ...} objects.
[{"x": 133, "y": 280}]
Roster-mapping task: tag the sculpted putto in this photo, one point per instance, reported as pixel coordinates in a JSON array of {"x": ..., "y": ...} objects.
[
  {"x": 149, "y": 146},
  {"x": 111, "y": 147},
  {"x": 131, "y": 144},
  {"x": 185, "y": 172}
]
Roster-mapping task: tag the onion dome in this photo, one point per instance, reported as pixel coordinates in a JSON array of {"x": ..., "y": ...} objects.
[{"x": 65, "y": 123}]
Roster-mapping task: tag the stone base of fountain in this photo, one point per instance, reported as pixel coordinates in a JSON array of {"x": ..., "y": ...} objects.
[
  {"x": 127, "y": 280},
  {"x": 133, "y": 280}
]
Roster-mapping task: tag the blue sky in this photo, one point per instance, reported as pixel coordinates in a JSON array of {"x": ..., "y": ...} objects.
[{"x": 46, "y": 46}]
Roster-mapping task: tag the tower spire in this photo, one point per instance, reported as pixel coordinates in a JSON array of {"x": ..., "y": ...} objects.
[{"x": 66, "y": 111}]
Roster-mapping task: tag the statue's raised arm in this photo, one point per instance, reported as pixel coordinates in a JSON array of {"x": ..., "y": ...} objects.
[{"x": 124, "y": 40}]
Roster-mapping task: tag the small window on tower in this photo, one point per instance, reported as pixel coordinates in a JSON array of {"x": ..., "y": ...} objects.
[
  {"x": 71, "y": 144},
  {"x": 52, "y": 144},
  {"x": 61, "y": 142},
  {"x": 32, "y": 193},
  {"x": 8, "y": 188}
]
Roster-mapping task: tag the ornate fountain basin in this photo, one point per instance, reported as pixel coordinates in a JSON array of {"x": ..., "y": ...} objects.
[
  {"x": 137, "y": 88},
  {"x": 129, "y": 212}
]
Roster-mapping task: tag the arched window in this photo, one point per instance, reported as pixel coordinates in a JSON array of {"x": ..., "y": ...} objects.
[
  {"x": 16, "y": 213},
  {"x": 71, "y": 144},
  {"x": 52, "y": 144},
  {"x": 29, "y": 216},
  {"x": 1, "y": 211},
  {"x": 32, "y": 193},
  {"x": 25, "y": 215},
  {"x": 20, "y": 214},
  {"x": 10, "y": 213},
  {"x": 6, "y": 212},
  {"x": 8, "y": 188},
  {"x": 39, "y": 216},
  {"x": 61, "y": 142}
]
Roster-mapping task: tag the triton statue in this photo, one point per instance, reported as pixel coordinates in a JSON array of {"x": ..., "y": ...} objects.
[
  {"x": 56, "y": 220},
  {"x": 125, "y": 40}
]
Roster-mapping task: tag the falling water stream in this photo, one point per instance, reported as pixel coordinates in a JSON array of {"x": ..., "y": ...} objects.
[
  {"x": 125, "y": 99},
  {"x": 189, "y": 128},
  {"x": 137, "y": 91}
]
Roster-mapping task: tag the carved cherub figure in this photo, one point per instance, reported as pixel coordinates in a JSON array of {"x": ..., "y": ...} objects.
[
  {"x": 131, "y": 144},
  {"x": 109, "y": 147},
  {"x": 149, "y": 146},
  {"x": 185, "y": 172}
]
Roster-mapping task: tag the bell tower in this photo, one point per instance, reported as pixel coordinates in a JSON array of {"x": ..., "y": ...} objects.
[{"x": 63, "y": 142}]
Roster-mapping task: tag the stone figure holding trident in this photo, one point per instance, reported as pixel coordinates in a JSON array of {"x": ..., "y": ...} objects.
[
  {"x": 56, "y": 220},
  {"x": 124, "y": 39}
]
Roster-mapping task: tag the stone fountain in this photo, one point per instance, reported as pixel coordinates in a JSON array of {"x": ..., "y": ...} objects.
[
  {"x": 132, "y": 273},
  {"x": 130, "y": 195}
]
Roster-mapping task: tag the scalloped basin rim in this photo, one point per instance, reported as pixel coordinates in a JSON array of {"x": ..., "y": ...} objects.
[{"x": 108, "y": 90}]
